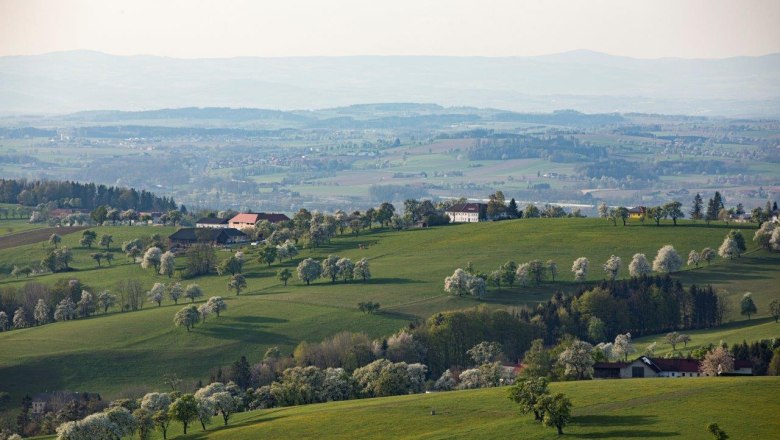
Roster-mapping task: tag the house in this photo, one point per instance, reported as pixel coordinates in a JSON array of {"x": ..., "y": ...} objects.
[
  {"x": 645, "y": 366},
  {"x": 185, "y": 237},
  {"x": 637, "y": 212},
  {"x": 249, "y": 219},
  {"x": 45, "y": 402},
  {"x": 212, "y": 222},
  {"x": 467, "y": 213}
]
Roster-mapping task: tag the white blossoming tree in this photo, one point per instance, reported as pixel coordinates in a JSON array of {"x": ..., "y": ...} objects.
[{"x": 667, "y": 260}]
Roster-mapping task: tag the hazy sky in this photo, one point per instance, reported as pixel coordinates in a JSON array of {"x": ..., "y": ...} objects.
[{"x": 227, "y": 28}]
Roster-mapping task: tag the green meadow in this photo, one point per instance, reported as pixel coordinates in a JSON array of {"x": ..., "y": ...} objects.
[
  {"x": 614, "y": 409},
  {"x": 124, "y": 352}
]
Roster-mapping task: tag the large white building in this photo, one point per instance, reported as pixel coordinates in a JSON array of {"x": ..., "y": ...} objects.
[
  {"x": 645, "y": 366},
  {"x": 467, "y": 213}
]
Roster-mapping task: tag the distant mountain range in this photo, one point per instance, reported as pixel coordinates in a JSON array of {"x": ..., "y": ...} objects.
[{"x": 586, "y": 81}]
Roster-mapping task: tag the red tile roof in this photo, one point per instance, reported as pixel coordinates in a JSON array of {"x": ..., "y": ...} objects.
[{"x": 254, "y": 217}]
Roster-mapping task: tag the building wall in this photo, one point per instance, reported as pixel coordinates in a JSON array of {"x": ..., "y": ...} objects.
[
  {"x": 211, "y": 225},
  {"x": 627, "y": 373},
  {"x": 463, "y": 217}
]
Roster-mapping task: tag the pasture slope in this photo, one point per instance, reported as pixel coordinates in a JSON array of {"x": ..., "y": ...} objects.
[
  {"x": 613, "y": 409},
  {"x": 131, "y": 351}
]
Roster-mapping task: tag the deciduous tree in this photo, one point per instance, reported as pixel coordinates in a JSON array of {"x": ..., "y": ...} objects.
[
  {"x": 580, "y": 269},
  {"x": 746, "y": 305},
  {"x": 717, "y": 361},
  {"x": 284, "y": 275},
  {"x": 157, "y": 293},
  {"x": 612, "y": 267},
  {"x": 193, "y": 292},
  {"x": 184, "y": 410},
  {"x": 238, "y": 283},
  {"x": 577, "y": 360},
  {"x": 187, "y": 317},
  {"x": 168, "y": 264},
  {"x": 309, "y": 270},
  {"x": 667, "y": 260}
]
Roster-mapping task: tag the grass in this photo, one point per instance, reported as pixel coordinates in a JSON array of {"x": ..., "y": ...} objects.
[
  {"x": 123, "y": 351},
  {"x": 615, "y": 409},
  {"x": 730, "y": 333},
  {"x": 15, "y": 226}
]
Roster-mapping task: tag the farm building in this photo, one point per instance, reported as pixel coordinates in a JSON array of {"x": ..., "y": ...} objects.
[
  {"x": 215, "y": 236},
  {"x": 45, "y": 402},
  {"x": 659, "y": 367},
  {"x": 212, "y": 222},
  {"x": 637, "y": 212},
  {"x": 467, "y": 213},
  {"x": 249, "y": 219}
]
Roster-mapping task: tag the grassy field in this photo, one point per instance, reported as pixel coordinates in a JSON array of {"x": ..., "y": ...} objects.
[
  {"x": 15, "y": 226},
  {"x": 618, "y": 409},
  {"x": 122, "y": 351},
  {"x": 730, "y": 333}
]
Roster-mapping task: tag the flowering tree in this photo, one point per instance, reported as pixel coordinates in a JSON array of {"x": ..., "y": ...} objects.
[
  {"x": 694, "y": 258},
  {"x": 707, "y": 254},
  {"x": 522, "y": 273},
  {"x": 717, "y": 361},
  {"x": 612, "y": 267},
  {"x": 345, "y": 269},
  {"x": 106, "y": 300},
  {"x": 457, "y": 283},
  {"x": 622, "y": 346},
  {"x": 175, "y": 292},
  {"x": 216, "y": 304},
  {"x": 168, "y": 264},
  {"x": 187, "y": 317},
  {"x": 157, "y": 293},
  {"x": 238, "y": 283},
  {"x": 330, "y": 268},
  {"x": 667, "y": 260},
  {"x": 362, "y": 270},
  {"x": 65, "y": 310},
  {"x": 578, "y": 360},
  {"x": 152, "y": 258},
  {"x": 309, "y": 270},
  {"x": 41, "y": 312},
  {"x": 729, "y": 249},
  {"x": 580, "y": 269}
]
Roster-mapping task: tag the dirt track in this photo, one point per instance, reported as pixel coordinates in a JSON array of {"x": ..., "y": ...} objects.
[{"x": 35, "y": 236}]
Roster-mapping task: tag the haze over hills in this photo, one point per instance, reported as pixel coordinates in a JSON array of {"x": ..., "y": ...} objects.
[{"x": 591, "y": 82}]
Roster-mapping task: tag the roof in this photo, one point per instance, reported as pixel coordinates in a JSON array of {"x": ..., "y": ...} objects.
[
  {"x": 637, "y": 210},
  {"x": 212, "y": 221},
  {"x": 466, "y": 207},
  {"x": 254, "y": 217},
  {"x": 681, "y": 365},
  {"x": 205, "y": 234}
]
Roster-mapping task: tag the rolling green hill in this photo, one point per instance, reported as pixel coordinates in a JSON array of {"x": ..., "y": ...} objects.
[
  {"x": 619, "y": 409},
  {"x": 124, "y": 351}
]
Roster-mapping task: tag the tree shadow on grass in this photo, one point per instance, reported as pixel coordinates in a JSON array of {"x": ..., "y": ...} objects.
[
  {"x": 619, "y": 421},
  {"x": 205, "y": 435},
  {"x": 386, "y": 281},
  {"x": 398, "y": 315}
]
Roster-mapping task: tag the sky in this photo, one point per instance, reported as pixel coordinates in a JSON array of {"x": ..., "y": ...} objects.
[{"x": 281, "y": 28}]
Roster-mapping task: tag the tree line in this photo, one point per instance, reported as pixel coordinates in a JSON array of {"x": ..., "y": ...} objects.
[{"x": 67, "y": 194}]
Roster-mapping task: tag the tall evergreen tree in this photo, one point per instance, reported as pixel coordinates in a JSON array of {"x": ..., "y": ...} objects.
[{"x": 696, "y": 210}]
